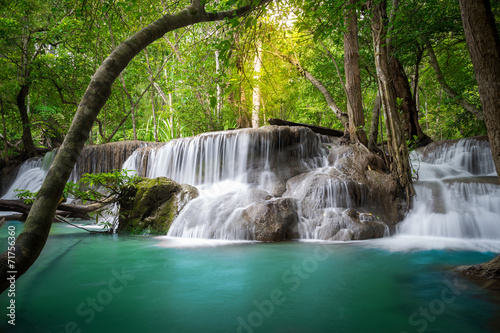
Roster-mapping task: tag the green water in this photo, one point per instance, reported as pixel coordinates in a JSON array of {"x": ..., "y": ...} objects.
[{"x": 99, "y": 283}]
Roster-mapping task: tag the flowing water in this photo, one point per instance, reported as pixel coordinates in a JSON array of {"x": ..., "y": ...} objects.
[
  {"x": 187, "y": 283},
  {"x": 117, "y": 283},
  {"x": 458, "y": 194}
]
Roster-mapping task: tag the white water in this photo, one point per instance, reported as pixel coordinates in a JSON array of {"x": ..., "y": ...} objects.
[
  {"x": 457, "y": 202},
  {"x": 457, "y": 194},
  {"x": 30, "y": 175},
  {"x": 232, "y": 171}
]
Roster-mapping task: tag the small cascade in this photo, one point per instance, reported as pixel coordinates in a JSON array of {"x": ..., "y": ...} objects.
[
  {"x": 106, "y": 157},
  {"x": 30, "y": 175},
  {"x": 93, "y": 159},
  {"x": 458, "y": 194}
]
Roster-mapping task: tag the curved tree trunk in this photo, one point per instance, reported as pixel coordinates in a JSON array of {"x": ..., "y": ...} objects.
[
  {"x": 342, "y": 116},
  {"x": 484, "y": 49},
  {"x": 31, "y": 241},
  {"x": 449, "y": 90},
  {"x": 29, "y": 147},
  {"x": 352, "y": 75},
  {"x": 398, "y": 151}
]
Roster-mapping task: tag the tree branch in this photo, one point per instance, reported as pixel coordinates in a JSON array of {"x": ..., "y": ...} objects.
[{"x": 449, "y": 90}]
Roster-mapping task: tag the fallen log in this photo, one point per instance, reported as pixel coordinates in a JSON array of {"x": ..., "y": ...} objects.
[
  {"x": 69, "y": 209},
  {"x": 314, "y": 128}
]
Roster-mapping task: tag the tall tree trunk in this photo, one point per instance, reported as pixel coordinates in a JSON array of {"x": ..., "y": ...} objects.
[
  {"x": 372, "y": 139},
  {"x": 407, "y": 105},
  {"x": 484, "y": 49},
  {"x": 399, "y": 163},
  {"x": 31, "y": 241},
  {"x": 352, "y": 75},
  {"x": 151, "y": 81},
  {"x": 29, "y": 147},
  {"x": 449, "y": 90},
  {"x": 257, "y": 65},
  {"x": 218, "y": 106}
]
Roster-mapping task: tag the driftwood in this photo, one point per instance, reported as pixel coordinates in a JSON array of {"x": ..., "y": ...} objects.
[
  {"x": 314, "y": 128},
  {"x": 67, "y": 210}
]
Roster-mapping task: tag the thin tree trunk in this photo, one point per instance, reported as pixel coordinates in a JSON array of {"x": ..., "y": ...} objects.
[
  {"x": 151, "y": 78},
  {"x": 342, "y": 116},
  {"x": 218, "y": 107},
  {"x": 29, "y": 147},
  {"x": 398, "y": 151},
  {"x": 372, "y": 139},
  {"x": 484, "y": 48},
  {"x": 257, "y": 65},
  {"x": 447, "y": 89},
  {"x": 352, "y": 75},
  {"x": 32, "y": 239}
]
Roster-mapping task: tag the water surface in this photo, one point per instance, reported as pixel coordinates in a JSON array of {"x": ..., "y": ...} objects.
[{"x": 102, "y": 283}]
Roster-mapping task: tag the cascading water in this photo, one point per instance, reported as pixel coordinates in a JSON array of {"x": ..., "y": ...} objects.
[
  {"x": 30, "y": 175},
  {"x": 458, "y": 194},
  {"x": 233, "y": 171}
]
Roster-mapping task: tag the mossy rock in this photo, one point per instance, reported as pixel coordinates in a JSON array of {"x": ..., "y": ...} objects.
[{"x": 151, "y": 206}]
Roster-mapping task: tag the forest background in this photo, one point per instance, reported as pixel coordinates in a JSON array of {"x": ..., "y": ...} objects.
[{"x": 216, "y": 75}]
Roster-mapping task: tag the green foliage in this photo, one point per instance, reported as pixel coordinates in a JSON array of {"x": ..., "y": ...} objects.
[
  {"x": 26, "y": 195},
  {"x": 204, "y": 75},
  {"x": 100, "y": 187}
]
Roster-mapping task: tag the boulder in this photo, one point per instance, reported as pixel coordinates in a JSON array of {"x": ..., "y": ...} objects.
[
  {"x": 383, "y": 198},
  {"x": 152, "y": 205},
  {"x": 270, "y": 220}
]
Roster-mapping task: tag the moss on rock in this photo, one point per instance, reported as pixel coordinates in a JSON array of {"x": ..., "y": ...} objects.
[{"x": 152, "y": 205}]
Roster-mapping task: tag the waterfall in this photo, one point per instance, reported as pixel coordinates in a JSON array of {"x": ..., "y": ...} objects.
[
  {"x": 458, "y": 194},
  {"x": 30, "y": 175},
  {"x": 233, "y": 170}
]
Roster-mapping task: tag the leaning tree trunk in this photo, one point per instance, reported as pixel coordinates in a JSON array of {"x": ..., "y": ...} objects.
[
  {"x": 353, "y": 76},
  {"x": 29, "y": 147},
  {"x": 408, "y": 105},
  {"x": 446, "y": 87},
  {"x": 31, "y": 241},
  {"x": 398, "y": 151}
]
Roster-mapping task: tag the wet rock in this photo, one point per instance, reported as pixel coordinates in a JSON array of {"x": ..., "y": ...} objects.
[
  {"x": 106, "y": 157},
  {"x": 152, "y": 205},
  {"x": 486, "y": 274},
  {"x": 270, "y": 220},
  {"x": 383, "y": 197}
]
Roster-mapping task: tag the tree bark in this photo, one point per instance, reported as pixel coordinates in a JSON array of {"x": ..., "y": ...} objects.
[
  {"x": 372, "y": 139},
  {"x": 484, "y": 49},
  {"x": 398, "y": 151},
  {"x": 314, "y": 128},
  {"x": 31, "y": 241},
  {"x": 151, "y": 80},
  {"x": 352, "y": 75},
  {"x": 24, "y": 208},
  {"x": 29, "y": 147},
  {"x": 407, "y": 105},
  {"x": 447, "y": 89},
  {"x": 257, "y": 65}
]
